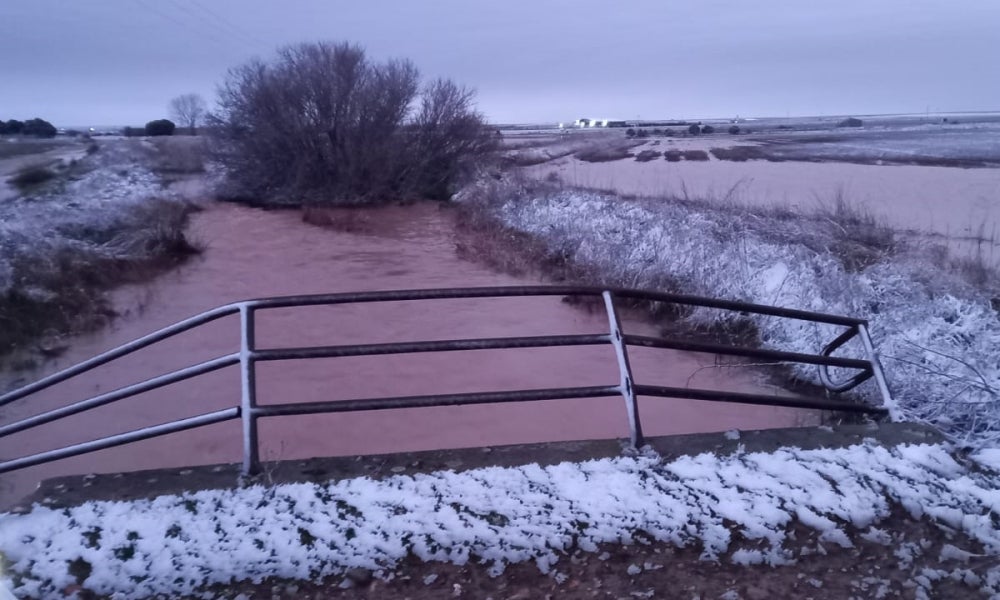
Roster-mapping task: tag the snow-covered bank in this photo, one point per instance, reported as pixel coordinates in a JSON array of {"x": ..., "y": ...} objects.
[
  {"x": 98, "y": 222},
  {"x": 738, "y": 509},
  {"x": 938, "y": 336}
]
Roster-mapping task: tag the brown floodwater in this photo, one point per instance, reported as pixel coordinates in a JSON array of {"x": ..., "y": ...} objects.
[{"x": 254, "y": 253}]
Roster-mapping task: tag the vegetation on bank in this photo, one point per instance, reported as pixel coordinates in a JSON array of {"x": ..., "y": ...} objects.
[
  {"x": 323, "y": 124},
  {"x": 31, "y": 176},
  {"x": 935, "y": 324},
  {"x": 104, "y": 222}
]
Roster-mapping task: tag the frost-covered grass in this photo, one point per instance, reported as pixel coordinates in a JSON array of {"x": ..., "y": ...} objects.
[
  {"x": 937, "y": 335},
  {"x": 103, "y": 221},
  {"x": 739, "y": 509}
]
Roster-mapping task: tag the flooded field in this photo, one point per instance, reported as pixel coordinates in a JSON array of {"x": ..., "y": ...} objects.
[{"x": 958, "y": 208}]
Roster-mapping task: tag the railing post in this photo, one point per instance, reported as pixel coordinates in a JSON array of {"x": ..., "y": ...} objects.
[
  {"x": 627, "y": 388},
  {"x": 248, "y": 396},
  {"x": 883, "y": 386}
]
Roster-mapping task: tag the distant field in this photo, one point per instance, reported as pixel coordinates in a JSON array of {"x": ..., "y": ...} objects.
[
  {"x": 956, "y": 146},
  {"x": 23, "y": 148}
]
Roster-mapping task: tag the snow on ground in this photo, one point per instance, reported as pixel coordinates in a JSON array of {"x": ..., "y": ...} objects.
[
  {"x": 80, "y": 213},
  {"x": 735, "y": 508}
]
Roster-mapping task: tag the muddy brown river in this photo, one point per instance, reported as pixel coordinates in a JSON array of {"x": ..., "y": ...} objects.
[{"x": 254, "y": 253}]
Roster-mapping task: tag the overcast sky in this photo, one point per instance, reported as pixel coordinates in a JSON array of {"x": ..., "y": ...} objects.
[{"x": 110, "y": 62}]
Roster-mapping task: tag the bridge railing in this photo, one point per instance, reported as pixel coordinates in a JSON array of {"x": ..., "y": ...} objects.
[{"x": 249, "y": 412}]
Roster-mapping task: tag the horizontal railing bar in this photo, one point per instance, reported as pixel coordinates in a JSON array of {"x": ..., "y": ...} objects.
[
  {"x": 557, "y": 290},
  {"x": 734, "y": 305},
  {"x": 761, "y": 399},
  {"x": 778, "y": 355},
  {"x": 340, "y": 406},
  {"x": 120, "y": 439},
  {"x": 424, "y": 294},
  {"x": 130, "y": 390},
  {"x": 433, "y": 346},
  {"x": 105, "y": 357}
]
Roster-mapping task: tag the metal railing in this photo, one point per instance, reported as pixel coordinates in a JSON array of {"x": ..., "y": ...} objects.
[{"x": 249, "y": 412}]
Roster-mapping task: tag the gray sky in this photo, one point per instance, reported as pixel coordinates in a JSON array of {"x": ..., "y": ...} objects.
[{"x": 91, "y": 62}]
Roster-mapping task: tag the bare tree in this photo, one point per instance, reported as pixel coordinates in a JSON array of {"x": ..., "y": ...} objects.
[
  {"x": 450, "y": 137},
  {"x": 188, "y": 110},
  {"x": 323, "y": 124}
]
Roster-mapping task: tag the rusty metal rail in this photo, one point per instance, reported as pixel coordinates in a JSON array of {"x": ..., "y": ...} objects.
[{"x": 249, "y": 412}]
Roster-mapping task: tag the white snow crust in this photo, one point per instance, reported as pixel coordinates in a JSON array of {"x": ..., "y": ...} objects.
[{"x": 179, "y": 544}]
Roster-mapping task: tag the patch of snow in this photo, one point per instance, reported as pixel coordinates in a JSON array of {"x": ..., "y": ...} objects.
[
  {"x": 877, "y": 536},
  {"x": 177, "y": 545},
  {"x": 988, "y": 457}
]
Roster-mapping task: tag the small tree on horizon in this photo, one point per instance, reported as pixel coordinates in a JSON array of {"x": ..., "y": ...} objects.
[{"x": 188, "y": 110}]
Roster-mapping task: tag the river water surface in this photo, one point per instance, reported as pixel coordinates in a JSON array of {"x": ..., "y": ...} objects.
[{"x": 254, "y": 253}]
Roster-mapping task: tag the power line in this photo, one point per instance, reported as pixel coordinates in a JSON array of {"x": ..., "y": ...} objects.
[
  {"x": 228, "y": 24},
  {"x": 151, "y": 6},
  {"x": 209, "y": 26}
]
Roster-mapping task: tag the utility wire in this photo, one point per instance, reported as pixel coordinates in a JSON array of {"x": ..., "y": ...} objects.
[
  {"x": 210, "y": 26},
  {"x": 229, "y": 24},
  {"x": 151, "y": 7}
]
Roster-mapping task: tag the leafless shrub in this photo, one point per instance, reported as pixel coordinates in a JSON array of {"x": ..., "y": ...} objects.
[
  {"x": 738, "y": 153},
  {"x": 648, "y": 155},
  {"x": 188, "y": 110},
  {"x": 322, "y": 124},
  {"x": 30, "y": 177},
  {"x": 695, "y": 155}
]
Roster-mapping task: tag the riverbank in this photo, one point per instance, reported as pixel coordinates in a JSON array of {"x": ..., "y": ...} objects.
[
  {"x": 936, "y": 328},
  {"x": 101, "y": 220}
]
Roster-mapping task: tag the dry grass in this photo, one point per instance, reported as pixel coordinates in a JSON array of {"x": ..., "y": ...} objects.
[
  {"x": 739, "y": 153},
  {"x": 31, "y": 177},
  {"x": 25, "y": 147},
  {"x": 678, "y": 155},
  {"x": 861, "y": 237},
  {"x": 648, "y": 155},
  {"x": 181, "y": 155},
  {"x": 606, "y": 151}
]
